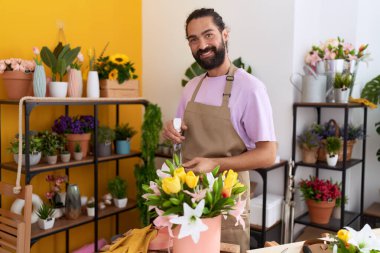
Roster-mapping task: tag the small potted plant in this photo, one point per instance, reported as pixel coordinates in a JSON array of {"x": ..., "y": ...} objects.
[
  {"x": 78, "y": 155},
  {"x": 64, "y": 153},
  {"x": 333, "y": 145},
  {"x": 353, "y": 133},
  {"x": 309, "y": 143},
  {"x": 45, "y": 216},
  {"x": 54, "y": 195},
  {"x": 320, "y": 196},
  {"x": 104, "y": 142},
  {"x": 50, "y": 146},
  {"x": 90, "y": 207},
  {"x": 342, "y": 85},
  {"x": 35, "y": 148},
  {"x": 123, "y": 135},
  {"x": 118, "y": 189}
]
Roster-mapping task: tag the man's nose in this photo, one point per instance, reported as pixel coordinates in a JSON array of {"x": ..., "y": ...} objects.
[{"x": 202, "y": 43}]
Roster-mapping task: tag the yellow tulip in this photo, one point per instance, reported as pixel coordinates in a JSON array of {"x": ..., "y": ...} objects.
[
  {"x": 191, "y": 179},
  {"x": 171, "y": 185},
  {"x": 180, "y": 172},
  {"x": 229, "y": 183},
  {"x": 344, "y": 235}
]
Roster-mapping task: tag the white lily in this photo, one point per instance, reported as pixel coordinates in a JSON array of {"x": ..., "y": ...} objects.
[
  {"x": 211, "y": 180},
  {"x": 162, "y": 172},
  {"x": 190, "y": 222},
  {"x": 365, "y": 240}
]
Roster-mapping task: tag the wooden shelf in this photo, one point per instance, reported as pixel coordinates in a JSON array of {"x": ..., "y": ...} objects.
[
  {"x": 42, "y": 167},
  {"x": 111, "y": 210},
  {"x": 339, "y": 165}
]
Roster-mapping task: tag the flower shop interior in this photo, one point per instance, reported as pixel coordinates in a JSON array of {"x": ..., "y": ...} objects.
[{"x": 148, "y": 38}]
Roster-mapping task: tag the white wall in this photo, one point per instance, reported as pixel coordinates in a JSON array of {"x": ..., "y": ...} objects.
[{"x": 272, "y": 36}]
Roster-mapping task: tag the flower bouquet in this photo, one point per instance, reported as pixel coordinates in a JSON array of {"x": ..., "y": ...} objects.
[
  {"x": 320, "y": 196},
  {"x": 349, "y": 240},
  {"x": 183, "y": 200}
]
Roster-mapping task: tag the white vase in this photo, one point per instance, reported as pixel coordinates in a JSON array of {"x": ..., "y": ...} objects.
[
  {"x": 46, "y": 224},
  {"x": 93, "y": 85},
  {"x": 58, "y": 89},
  {"x": 91, "y": 211},
  {"x": 332, "y": 160},
  {"x": 120, "y": 203}
]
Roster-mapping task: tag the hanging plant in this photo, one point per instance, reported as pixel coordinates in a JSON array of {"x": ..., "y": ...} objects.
[
  {"x": 146, "y": 172},
  {"x": 196, "y": 70}
]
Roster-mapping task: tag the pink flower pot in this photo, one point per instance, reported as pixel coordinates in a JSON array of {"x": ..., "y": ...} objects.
[{"x": 209, "y": 240}]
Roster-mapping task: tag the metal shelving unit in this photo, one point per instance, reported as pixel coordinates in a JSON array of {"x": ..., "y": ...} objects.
[
  {"x": 347, "y": 217},
  {"x": 63, "y": 224}
]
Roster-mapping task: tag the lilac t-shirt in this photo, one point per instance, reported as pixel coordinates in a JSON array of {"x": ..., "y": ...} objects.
[{"x": 251, "y": 111}]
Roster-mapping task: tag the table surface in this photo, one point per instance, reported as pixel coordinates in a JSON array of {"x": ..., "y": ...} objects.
[{"x": 291, "y": 247}]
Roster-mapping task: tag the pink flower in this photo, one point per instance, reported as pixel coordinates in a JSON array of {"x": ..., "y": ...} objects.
[
  {"x": 197, "y": 195},
  {"x": 164, "y": 220},
  {"x": 312, "y": 58},
  {"x": 36, "y": 51},
  {"x": 80, "y": 57},
  {"x": 329, "y": 55},
  {"x": 49, "y": 195},
  {"x": 238, "y": 211},
  {"x": 348, "y": 46}
]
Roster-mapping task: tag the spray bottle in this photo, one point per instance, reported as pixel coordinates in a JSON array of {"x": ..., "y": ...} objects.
[{"x": 177, "y": 122}]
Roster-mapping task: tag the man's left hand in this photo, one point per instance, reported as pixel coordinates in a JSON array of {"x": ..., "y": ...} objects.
[{"x": 200, "y": 165}]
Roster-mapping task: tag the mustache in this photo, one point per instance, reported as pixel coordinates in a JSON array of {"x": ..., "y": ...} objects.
[{"x": 207, "y": 49}]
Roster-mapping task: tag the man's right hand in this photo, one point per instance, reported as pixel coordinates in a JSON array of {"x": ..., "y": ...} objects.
[{"x": 171, "y": 134}]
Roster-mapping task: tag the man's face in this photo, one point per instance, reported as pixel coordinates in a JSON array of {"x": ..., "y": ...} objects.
[{"x": 206, "y": 42}]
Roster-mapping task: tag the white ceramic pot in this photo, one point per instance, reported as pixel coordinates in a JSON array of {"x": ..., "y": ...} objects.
[
  {"x": 93, "y": 90},
  {"x": 46, "y": 224},
  {"x": 52, "y": 159},
  {"x": 78, "y": 156},
  {"x": 33, "y": 159},
  {"x": 120, "y": 203},
  {"x": 91, "y": 211},
  {"x": 58, "y": 89},
  {"x": 65, "y": 158},
  {"x": 341, "y": 95},
  {"x": 332, "y": 160}
]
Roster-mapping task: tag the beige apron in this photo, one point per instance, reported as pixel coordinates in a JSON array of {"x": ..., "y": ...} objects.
[{"x": 211, "y": 134}]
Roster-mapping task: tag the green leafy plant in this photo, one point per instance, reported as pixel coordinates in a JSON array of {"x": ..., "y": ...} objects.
[
  {"x": 146, "y": 172},
  {"x": 371, "y": 90},
  {"x": 353, "y": 132},
  {"x": 196, "y": 70},
  {"x": 333, "y": 145},
  {"x": 105, "y": 134},
  {"x": 118, "y": 188},
  {"x": 309, "y": 139},
  {"x": 124, "y": 132},
  {"x": 59, "y": 59},
  {"x": 343, "y": 81},
  {"x": 338, "y": 201},
  {"x": 77, "y": 148},
  {"x": 35, "y": 144},
  {"x": 45, "y": 212},
  {"x": 51, "y": 143}
]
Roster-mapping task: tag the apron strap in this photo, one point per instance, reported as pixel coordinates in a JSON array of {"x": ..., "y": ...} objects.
[
  {"x": 228, "y": 87},
  {"x": 197, "y": 88}
]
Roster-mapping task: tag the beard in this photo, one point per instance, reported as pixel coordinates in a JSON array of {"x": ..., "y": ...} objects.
[{"x": 212, "y": 62}]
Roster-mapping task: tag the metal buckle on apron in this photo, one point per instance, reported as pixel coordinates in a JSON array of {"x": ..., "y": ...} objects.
[
  {"x": 229, "y": 78},
  {"x": 227, "y": 94}
]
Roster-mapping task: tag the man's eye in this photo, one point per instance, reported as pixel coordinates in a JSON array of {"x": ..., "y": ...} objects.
[
  {"x": 193, "y": 40},
  {"x": 209, "y": 35}
]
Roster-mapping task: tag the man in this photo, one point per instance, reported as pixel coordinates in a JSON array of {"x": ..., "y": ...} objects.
[{"x": 227, "y": 116}]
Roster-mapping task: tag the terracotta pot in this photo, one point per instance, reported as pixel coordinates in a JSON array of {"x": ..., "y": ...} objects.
[
  {"x": 320, "y": 212},
  {"x": 17, "y": 84},
  {"x": 309, "y": 155},
  {"x": 209, "y": 240},
  {"x": 82, "y": 139}
]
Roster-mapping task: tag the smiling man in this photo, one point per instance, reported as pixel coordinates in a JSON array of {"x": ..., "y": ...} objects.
[{"x": 227, "y": 116}]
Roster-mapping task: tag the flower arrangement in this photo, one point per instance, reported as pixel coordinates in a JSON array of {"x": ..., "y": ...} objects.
[
  {"x": 37, "y": 59},
  {"x": 52, "y": 195},
  {"x": 354, "y": 132},
  {"x": 335, "y": 49},
  {"x": 17, "y": 64},
  {"x": 183, "y": 198},
  {"x": 115, "y": 67},
  {"x": 309, "y": 139},
  {"x": 349, "y": 240},
  {"x": 319, "y": 189},
  {"x": 74, "y": 125}
]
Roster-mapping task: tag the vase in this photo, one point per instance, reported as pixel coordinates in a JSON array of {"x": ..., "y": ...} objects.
[
  {"x": 73, "y": 203},
  {"x": 82, "y": 139},
  {"x": 341, "y": 95},
  {"x": 209, "y": 240},
  {"x": 17, "y": 84},
  {"x": 75, "y": 83},
  {"x": 162, "y": 241},
  {"x": 58, "y": 89},
  {"x": 46, "y": 224},
  {"x": 309, "y": 155},
  {"x": 93, "y": 84},
  {"x": 320, "y": 212},
  {"x": 123, "y": 147},
  {"x": 39, "y": 81}
]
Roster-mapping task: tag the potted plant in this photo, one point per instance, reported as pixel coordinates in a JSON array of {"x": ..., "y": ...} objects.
[
  {"x": 90, "y": 207},
  {"x": 50, "y": 146},
  {"x": 342, "y": 85},
  {"x": 58, "y": 61},
  {"x": 17, "y": 77},
  {"x": 118, "y": 189},
  {"x": 123, "y": 135},
  {"x": 309, "y": 143},
  {"x": 35, "y": 148},
  {"x": 54, "y": 195},
  {"x": 353, "y": 133},
  {"x": 78, "y": 153},
  {"x": 106, "y": 136},
  {"x": 76, "y": 129},
  {"x": 64, "y": 153},
  {"x": 45, "y": 216},
  {"x": 320, "y": 196},
  {"x": 333, "y": 145}
]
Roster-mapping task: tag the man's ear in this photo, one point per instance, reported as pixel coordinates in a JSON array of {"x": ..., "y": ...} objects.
[{"x": 225, "y": 35}]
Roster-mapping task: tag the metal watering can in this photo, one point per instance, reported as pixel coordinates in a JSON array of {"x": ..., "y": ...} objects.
[{"x": 313, "y": 86}]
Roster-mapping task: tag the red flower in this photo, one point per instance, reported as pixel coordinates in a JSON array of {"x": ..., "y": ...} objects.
[{"x": 319, "y": 189}]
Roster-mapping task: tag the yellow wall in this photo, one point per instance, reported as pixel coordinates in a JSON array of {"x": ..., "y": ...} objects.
[{"x": 26, "y": 24}]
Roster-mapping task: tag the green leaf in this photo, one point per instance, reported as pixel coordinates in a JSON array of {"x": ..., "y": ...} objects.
[
  {"x": 154, "y": 197},
  {"x": 175, "y": 209},
  {"x": 209, "y": 197},
  {"x": 70, "y": 55},
  {"x": 61, "y": 68},
  {"x": 48, "y": 57},
  {"x": 58, "y": 49},
  {"x": 175, "y": 201},
  {"x": 215, "y": 171},
  {"x": 171, "y": 166},
  {"x": 176, "y": 160},
  {"x": 238, "y": 190},
  {"x": 64, "y": 50},
  {"x": 167, "y": 203},
  {"x": 371, "y": 90}
]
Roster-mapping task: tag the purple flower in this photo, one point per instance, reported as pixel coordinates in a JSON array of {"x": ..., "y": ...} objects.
[{"x": 76, "y": 125}]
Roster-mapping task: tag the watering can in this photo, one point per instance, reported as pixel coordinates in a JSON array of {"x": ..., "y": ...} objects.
[{"x": 313, "y": 86}]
